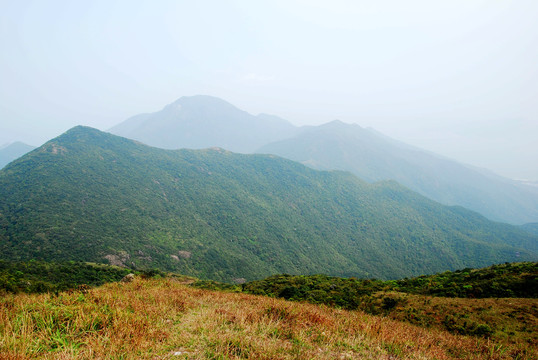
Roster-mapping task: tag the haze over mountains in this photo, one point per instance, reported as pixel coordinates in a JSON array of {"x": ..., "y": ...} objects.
[
  {"x": 373, "y": 157},
  {"x": 530, "y": 227},
  {"x": 197, "y": 122},
  {"x": 12, "y": 151},
  {"x": 204, "y": 121},
  {"x": 89, "y": 195}
]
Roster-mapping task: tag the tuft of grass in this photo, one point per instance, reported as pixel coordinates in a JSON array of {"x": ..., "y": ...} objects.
[{"x": 165, "y": 319}]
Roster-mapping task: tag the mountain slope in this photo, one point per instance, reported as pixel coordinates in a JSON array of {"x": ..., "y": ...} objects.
[
  {"x": 13, "y": 151},
  {"x": 200, "y": 121},
  {"x": 92, "y": 196},
  {"x": 164, "y": 319},
  {"x": 373, "y": 157},
  {"x": 205, "y": 121},
  {"x": 531, "y": 228}
]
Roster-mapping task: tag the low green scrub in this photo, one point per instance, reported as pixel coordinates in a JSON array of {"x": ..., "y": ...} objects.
[
  {"x": 516, "y": 280},
  {"x": 466, "y": 302},
  {"x": 39, "y": 276},
  {"x": 506, "y": 280}
]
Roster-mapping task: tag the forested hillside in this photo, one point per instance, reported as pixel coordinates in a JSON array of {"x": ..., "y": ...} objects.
[
  {"x": 373, "y": 157},
  {"x": 40, "y": 276},
  {"x": 531, "y": 228},
  {"x": 201, "y": 121},
  {"x": 92, "y": 196}
]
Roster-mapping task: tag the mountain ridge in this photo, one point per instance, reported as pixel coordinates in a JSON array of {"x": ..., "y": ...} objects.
[
  {"x": 374, "y": 156},
  {"x": 203, "y": 121},
  {"x": 93, "y": 196}
]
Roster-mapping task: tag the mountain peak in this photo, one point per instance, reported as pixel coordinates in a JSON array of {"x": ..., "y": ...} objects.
[
  {"x": 15, "y": 144},
  {"x": 201, "y": 101},
  {"x": 12, "y": 151},
  {"x": 80, "y": 132},
  {"x": 81, "y": 129},
  {"x": 336, "y": 122},
  {"x": 203, "y": 121},
  {"x": 339, "y": 125}
]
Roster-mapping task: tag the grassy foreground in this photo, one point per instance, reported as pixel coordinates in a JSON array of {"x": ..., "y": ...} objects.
[{"x": 165, "y": 319}]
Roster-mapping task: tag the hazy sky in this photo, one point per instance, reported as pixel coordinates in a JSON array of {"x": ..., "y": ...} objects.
[{"x": 456, "y": 77}]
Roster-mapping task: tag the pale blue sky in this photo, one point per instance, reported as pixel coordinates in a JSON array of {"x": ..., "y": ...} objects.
[{"x": 457, "y": 77}]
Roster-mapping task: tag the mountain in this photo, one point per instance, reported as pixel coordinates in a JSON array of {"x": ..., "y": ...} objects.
[
  {"x": 200, "y": 121},
  {"x": 531, "y": 228},
  {"x": 93, "y": 196},
  {"x": 373, "y": 157},
  {"x": 12, "y": 151}
]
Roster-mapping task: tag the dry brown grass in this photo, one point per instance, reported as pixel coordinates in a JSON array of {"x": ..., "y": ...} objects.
[
  {"x": 163, "y": 319},
  {"x": 513, "y": 321}
]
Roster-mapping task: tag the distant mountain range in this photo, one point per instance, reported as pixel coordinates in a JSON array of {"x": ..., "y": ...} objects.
[
  {"x": 197, "y": 122},
  {"x": 203, "y": 121},
  {"x": 13, "y": 151},
  {"x": 89, "y": 195},
  {"x": 531, "y": 228},
  {"x": 373, "y": 157}
]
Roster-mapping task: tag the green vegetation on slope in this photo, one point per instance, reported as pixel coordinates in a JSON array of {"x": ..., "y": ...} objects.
[
  {"x": 39, "y": 276},
  {"x": 507, "y": 310},
  {"x": 374, "y": 157},
  {"x": 506, "y": 280},
  {"x": 531, "y": 228},
  {"x": 92, "y": 196}
]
